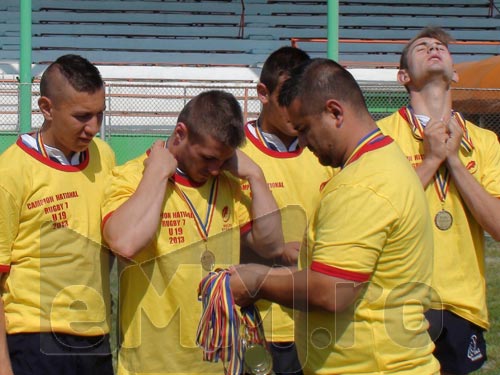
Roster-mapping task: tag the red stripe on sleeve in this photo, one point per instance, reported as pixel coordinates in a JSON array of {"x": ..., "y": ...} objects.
[
  {"x": 4, "y": 268},
  {"x": 105, "y": 218},
  {"x": 340, "y": 273},
  {"x": 246, "y": 228}
]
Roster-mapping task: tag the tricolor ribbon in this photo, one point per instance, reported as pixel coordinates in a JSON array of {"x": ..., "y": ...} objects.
[
  {"x": 40, "y": 145},
  {"x": 224, "y": 331},
  {"x": 43, "y": 151},
  {"x": 203, "y": 226},
  {"x": 418, "y": 129},
  {"x": 442, "y": 177},
  {"x": 261, "y": 137},
  {"x": 373, "y": 140}
]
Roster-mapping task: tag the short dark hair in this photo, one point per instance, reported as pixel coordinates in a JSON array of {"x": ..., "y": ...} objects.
[
  {"x": 318, "y": 80},
  {"x": 81, "y": 74},
  {"x": 279, "y": 63},
  {"x": 428, "y": 32},
  {"x": 215, "y": 113}
]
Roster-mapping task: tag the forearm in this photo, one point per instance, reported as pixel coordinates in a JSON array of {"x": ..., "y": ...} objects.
[
  {"x": 134, "y": 224},
  {"x": 484, "y": 207},
  {"x": 266, "y": 234},
  {"x": 307, "y": 289},
  {"x": 427, "y": 170},
  {"x": 285, "y": 287},
  {"x": 5, "y": 366}
]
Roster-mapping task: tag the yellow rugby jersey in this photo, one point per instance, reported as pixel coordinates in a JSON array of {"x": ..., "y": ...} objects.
[
  {"x": 159, "y": 307},
  {"x": 459, "y": 280},
  {"x": 295, "y": 179},
  {"x": 56, "y": 271},
  {"x": 371, "y": 227}
]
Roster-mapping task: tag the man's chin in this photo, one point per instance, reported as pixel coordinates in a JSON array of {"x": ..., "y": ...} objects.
[{"x": 199, "y": 179}]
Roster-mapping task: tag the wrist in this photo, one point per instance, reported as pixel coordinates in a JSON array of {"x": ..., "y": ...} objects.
[{"x": 453, "y": 161}]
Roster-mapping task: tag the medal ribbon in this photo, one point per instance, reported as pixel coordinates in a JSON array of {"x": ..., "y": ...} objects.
[
  {"x": 367, "y": 143},
  {"x": 442, "y": 177},
  {"x": 219, "y": 330},
  {"x": 202, "y": 226},
  {"x": 40, "y": 145},
  {"x": 262, "y": 139},
  {"x": 43, "y": 151},
  {"x": 418, "y": 129}
]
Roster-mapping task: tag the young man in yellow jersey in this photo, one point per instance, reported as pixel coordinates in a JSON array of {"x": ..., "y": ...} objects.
[
  {"x": 365, "y": 269},
  {"x": 55, "y": 299},
  {"x": 178, "y": 212},
  {"x": 295, "y": 178},
  {"x": 458, "y": 164}
]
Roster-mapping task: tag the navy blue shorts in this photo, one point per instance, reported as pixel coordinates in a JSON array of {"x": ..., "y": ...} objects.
[
  {"x": 285, "y": 358},
  {"x": 460, "y": 345},
  {"x": 59, "y": 354}
]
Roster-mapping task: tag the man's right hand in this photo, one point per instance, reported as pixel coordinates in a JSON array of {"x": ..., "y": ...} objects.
[{"x": 160, "y": 162}]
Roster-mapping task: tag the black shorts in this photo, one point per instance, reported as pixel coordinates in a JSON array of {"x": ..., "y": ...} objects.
[
  {"x": 460, "y": 345},
  {"x": 285, "y": 358},
  {"x": 59, "y": 354}
]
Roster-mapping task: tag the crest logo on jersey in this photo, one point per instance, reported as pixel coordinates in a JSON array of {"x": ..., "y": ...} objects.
[
  {"x": 225, "y": 214},
  {"x": 471, "y": 166}
]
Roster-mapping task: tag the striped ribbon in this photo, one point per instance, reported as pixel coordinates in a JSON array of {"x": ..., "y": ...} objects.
[
  {"x": 224, "y": 331},
  {"x": 418, "y": 129},
  {"x": 442, "y": 178},
  {"x": 263, "y": 139},
  {"x": 203, "y": 226},
  {"x": 369, "y": 142},
  {"x": 40, "y": 145}
]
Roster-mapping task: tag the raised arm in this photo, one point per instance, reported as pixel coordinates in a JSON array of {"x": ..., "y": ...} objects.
[
  {"x": 266, "y": 235},
  {"x": 435, "y": 151},
  {"x": 133, "y": 225},
  {"x": 484, "y": 207}
]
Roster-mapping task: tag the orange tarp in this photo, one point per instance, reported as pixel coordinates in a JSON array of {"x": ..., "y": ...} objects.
[{"x": 478, "y": 86}]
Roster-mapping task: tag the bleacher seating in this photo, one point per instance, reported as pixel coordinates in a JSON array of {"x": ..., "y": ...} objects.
[{"x": 236, "y": 32}]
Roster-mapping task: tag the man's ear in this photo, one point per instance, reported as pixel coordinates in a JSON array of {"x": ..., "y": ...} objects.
[
  {"x": 45, "y": 105},
  {"x": 180, "y": 133},
  {"x": 403, "y": 77},
  {"x": 335, "y": 109},
  {"x": 454, "y": 77},
  {"x": 263, "y": 93}
]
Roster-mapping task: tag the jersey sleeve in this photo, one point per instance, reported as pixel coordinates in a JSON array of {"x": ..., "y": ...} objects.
[
  {"x": 9, "y": 225},
  {"x": 351, "y": 229},
  {"x": 242, "y": 205},
  {"x": 490, "y": 150},
  {"x": 122, "y": 184}
]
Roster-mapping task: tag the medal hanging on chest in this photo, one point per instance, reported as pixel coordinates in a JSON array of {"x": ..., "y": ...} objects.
[
  {"x": 207, "y": 258},
  {"x": 443, "y": 219},
  {"x": 228, "y": 333}
]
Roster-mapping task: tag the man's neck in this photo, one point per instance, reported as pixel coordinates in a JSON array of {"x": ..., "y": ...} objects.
[
  {"x": 267, "y": 127},
  {"x": 48, "y": 139},
  {"x": 434, "y": 102}
]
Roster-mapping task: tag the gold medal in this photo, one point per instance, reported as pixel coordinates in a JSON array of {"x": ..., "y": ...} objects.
[
  {"x": 258, "y": 360},
  {"x": 208, "y": 260},
  {"x": 443, "y": 220}
]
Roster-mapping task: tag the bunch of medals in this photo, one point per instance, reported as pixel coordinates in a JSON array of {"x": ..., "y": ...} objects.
[{"x": 232, "y": 335}]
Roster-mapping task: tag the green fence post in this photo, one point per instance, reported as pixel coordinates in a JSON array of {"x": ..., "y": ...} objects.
[
  {"x": 333, "y": 30},
  {"x": 25, "y": 78}
]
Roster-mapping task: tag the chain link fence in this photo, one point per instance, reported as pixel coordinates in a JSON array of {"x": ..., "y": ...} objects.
[{"x": 139, "y": 112}]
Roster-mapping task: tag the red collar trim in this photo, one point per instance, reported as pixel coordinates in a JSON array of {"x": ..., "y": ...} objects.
[
  {"x": 275, "y": 154},
  {"x": 66, "y": 168},
  {"x": 403, "y": 113}
]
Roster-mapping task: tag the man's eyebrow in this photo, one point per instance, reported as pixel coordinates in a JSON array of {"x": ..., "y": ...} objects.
[{"x": 427, "y": 42}]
